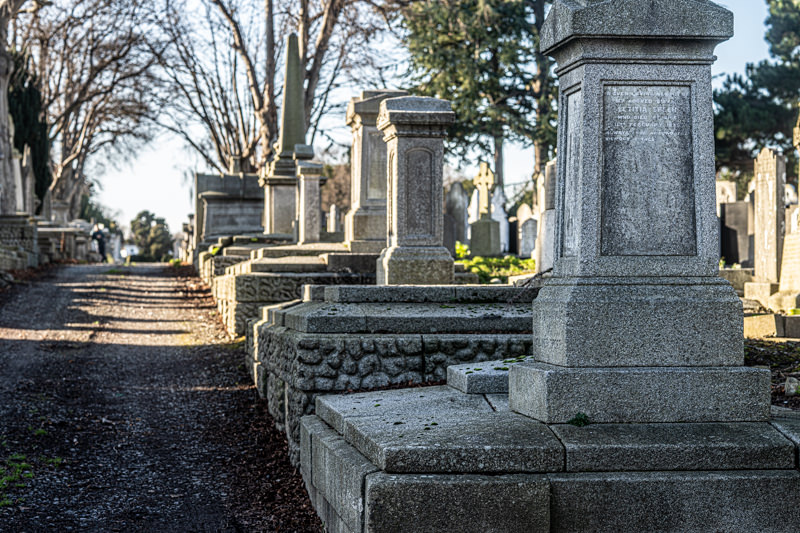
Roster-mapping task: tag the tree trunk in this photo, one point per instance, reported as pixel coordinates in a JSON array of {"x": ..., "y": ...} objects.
[
  {"x": 8, "y": 203},
  {"x": 498, "y": 162}
]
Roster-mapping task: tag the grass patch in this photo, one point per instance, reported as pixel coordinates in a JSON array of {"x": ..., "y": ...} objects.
[
  {"x": 115, "y": 272},
  {"x": 14, "y": 472}
]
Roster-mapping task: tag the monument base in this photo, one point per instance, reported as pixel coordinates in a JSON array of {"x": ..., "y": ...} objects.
[
  {"x": 402, "y": 461},
  {"x": 636, "y": 322},
  {"x": 415, "y": 265},
  {"x": 484, "y": 238},
  {"x": 784, "y": 301},
  {"x": 365, "y": 230},
  {"x": 760, "y": 291}
]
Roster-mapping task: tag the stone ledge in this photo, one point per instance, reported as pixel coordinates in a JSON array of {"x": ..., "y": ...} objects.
[
  {"x": 555, "y": 394},
  {"x": 646, "y": 447},
  {"x": 731, "y": 501},
  {"x": 487, "y": 377},
  {"x": 457, "y": 504}
]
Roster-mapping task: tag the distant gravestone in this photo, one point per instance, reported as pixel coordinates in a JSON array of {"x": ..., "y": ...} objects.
[
  {"x": 485, "y": 232},
  {"x": 365, "y": 222},
  {"x": 414, "y": 129},
  {"x": 734, "y": 234},
  {"x": 527, "y": 237},
  {"x": 726, "y": 193},
  {"x": 309, "y": 209},
  {"x": 791, "y": 194},
  {"x": 334, "y": 219},
  {"x": 545, "y": 240},
  {"x": 456, "y": 205},
  {"x": 499, "y": 214},
  {"x": 770, "y": 170}
]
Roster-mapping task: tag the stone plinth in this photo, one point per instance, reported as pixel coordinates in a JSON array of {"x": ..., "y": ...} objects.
[
  {"x": 365, "y": 222},
  {"x": 414, "y": 129}
]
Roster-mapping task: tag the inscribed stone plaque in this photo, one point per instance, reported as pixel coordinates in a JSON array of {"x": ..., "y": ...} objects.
[
  {"x": 419, "y": 173},
  {"x": 648, "y": 171},
  {"x": 572, "y": 180},
  {"x": 376, "y": 176}
]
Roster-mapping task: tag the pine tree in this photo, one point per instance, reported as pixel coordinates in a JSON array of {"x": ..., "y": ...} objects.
[{"x": 483, "y": 56}]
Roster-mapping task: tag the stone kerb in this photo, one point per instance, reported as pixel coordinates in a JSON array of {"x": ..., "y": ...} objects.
[
  {"x": 636, "y": 226},
  {"x": 414, "y": 129},
  {"x": 365, "y": 222}
]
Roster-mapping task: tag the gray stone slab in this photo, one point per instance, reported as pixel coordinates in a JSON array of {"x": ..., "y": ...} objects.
[
  {"x": 487, "y": 377},
  {"x": 405, "y": 318},
  {"x": 445, "y": 294},
  {"x": 338, "y": 473},
  {"x": 499, "y": 402},
  {"x": 649, "y": 447},
  {"x": 350, "y": 262},
  {"x": 457, "y": 504},
  {"x": 288, "y": 264},
  {"x": 728, "y": 501},
  {"x": 455, "y": 441},
  {"x": 628, "y": 395},
  {"x": 335, "y": 409}
]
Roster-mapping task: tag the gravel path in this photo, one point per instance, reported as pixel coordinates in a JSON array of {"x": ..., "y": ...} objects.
[{"x": 124, "y": 407}]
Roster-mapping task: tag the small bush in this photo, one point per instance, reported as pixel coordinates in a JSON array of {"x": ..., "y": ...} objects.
[{"x": 489, "y": 268}]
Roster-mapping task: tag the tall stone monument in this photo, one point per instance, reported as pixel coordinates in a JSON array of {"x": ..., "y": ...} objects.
[
  {"x": 414, "y": 129},
  {"x": 635, "y": 298},
  {"x": 279, "y": 177},
  {"x": 365, "y": 222},
  {"x": 485, "y": 232},
  {"x": 770, "y": 170}
]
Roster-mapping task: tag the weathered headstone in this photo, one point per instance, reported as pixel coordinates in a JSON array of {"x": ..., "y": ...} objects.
[
  {"x": 29, "y": 179},
  {"x": 334, "y": 219},
  {"x": 365, "y": 223},
  {"x": 791, "y": 194},
  {"x": 485, "y": 231},
  {"x": 527, "y": 230},
  {"x": 545, "y": 240},
  {"x": 309, "y": 205},
  {"x": 735, "y": 234},
  {"x": 726, "y": 193},
  {"x": 770, "y": 170},
  {"x": 279, "y": 179},
  {"x": 456, "y": 204},
  {"x": 500, "y": 216},
  {"x": 635, "y": 297},
  {"x": 414, "y": 129}
]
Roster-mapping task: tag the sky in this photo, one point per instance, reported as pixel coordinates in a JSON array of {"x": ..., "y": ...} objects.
[{"x": 159, "y": 179}]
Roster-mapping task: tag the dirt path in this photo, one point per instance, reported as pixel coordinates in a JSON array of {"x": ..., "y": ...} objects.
[{"x": 123, "y": 407}]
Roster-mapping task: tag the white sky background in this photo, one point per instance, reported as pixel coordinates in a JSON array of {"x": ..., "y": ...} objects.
[{"x": 159, "y": 180}]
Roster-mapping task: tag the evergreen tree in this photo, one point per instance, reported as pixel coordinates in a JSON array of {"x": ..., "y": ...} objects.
[
  {"x": 483, "y": 56},
  {"x": 30, "y": 126},
  {"x": 151, "y": 235},
  {"x": 761, "y": 110}
]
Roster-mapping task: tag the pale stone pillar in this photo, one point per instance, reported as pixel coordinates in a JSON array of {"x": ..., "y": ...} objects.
[
  {"x": 365, "y": 222},
  {"x": 635, "y": 303},
  {"x": 309, "y": 205},
  {"x": 414, "y": 129},
  {"x": 770, "y": 210}
]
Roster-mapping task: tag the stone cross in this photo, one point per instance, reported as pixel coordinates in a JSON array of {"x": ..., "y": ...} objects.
[
  {"x": 279, "y": 176},
  {"x": 484, "y": 182},
  {"x": 414, "y": 129},
  {"x": 635, "y": 297},
  {"x": 365, "y": 222}
]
